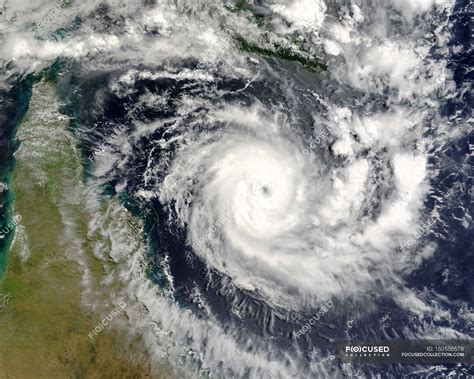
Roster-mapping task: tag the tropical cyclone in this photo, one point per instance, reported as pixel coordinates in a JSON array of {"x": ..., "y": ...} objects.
[{"x": 287, "y": 229}]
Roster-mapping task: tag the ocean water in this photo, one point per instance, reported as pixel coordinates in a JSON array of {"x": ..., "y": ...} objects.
[{"x": 270, "y": 193}]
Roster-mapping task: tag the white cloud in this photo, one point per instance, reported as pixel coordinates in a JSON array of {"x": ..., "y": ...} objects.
[
  {"x": 411, "y": 8},
  {"x": 304, "y": 14}
]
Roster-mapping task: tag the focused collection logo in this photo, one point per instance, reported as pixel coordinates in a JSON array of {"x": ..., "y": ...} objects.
[{"x": 364, "y": 350}]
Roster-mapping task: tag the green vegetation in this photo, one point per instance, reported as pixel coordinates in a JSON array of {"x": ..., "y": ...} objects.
[
  {"x": 44, "y": 326},
  {"x": 280, "y": 52},
  {"x": 67, "y": 31},
  {"x": 244, "y": 6}
]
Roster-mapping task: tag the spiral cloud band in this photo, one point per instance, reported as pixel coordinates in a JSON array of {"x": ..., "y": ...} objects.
[{"x": 286, "y": 227}]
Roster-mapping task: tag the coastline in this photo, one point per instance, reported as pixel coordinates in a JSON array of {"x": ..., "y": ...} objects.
[{"x": 45, "y": 323}]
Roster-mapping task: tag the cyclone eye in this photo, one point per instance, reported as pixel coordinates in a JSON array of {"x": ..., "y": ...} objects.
[{"x": 266, "y": 191}]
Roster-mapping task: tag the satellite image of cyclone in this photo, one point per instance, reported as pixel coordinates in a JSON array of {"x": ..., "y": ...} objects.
[{"x": 236, "y": 189}]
